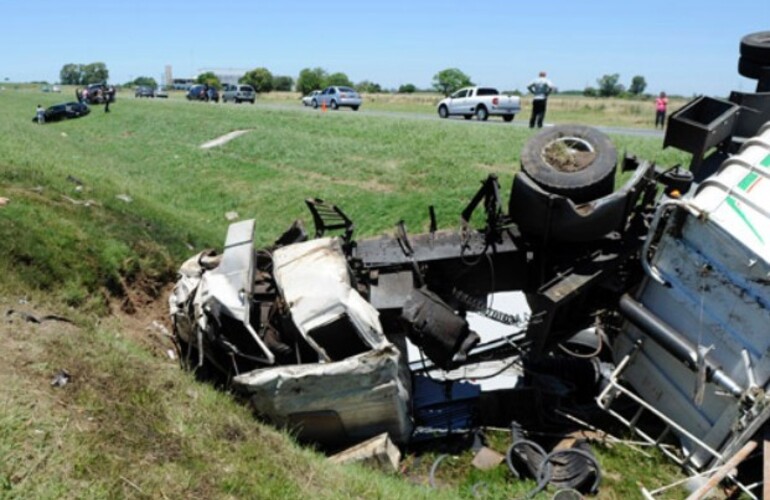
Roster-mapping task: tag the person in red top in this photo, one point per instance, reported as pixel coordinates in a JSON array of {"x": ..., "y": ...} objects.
[{"x": 661, "y": 103}]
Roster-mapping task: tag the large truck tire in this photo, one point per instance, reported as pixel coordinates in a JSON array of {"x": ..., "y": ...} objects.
[
  {"x": 752, "y": 69},
  {"x": 574, "y": 161},
  {"x": 756, "y": 46}
]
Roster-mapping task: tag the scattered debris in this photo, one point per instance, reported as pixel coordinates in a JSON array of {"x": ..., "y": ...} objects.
[
  {"x": 378, "y": 452},
  {"x": 34, "y": 319},
  {"x": 160, "y": 328},
  {"x": 219, "y": 141},
  {"x": 4, "y": 201},
  {"x": 487, "y": 458},
  {"x": 85, "y": 203},
  {"x": 61, "y": 379},
  {"x": 74, "y": 180},
  {"x": 231, "y": 216},
  {"x": 124, "y": 197}
]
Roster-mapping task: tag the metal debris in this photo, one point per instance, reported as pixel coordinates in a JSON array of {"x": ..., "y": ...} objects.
[{"x": 61, "y": 379}]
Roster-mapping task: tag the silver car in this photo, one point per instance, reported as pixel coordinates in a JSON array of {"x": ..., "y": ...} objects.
[
  {"x": 238, "y": 93},
  {"x": 308, "y": 99},
  {"x": 336, "y": 97}
]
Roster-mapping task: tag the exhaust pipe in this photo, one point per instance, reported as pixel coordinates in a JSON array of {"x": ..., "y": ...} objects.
[{"x": 674, "y": 342}]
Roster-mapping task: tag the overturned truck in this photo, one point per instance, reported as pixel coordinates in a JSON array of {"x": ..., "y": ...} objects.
[{"x": 341, "y": 339}]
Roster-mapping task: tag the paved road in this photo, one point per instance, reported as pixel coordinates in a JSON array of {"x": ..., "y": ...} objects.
[
  {"x": 492, "y": 122},
  {"x": 635, "y": 132}
]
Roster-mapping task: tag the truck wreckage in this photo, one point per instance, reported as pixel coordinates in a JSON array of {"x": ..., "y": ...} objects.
[{"x": 651, "y": 300}]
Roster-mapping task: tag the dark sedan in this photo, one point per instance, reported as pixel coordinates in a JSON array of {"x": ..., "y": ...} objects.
[
  {"x": 200, "y": 93},
  {"x": 64, "y": 110},
  {"x": 144, "y": 91}
]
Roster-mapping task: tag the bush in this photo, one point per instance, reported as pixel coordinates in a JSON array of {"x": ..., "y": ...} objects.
[{"x": 259, "y": 78}]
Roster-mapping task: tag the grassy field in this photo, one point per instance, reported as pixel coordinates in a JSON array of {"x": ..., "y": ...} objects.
[{"x": 102, "y": 210}]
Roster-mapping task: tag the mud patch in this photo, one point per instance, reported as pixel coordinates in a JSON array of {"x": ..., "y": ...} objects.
[{"x": 223, "y": 139}]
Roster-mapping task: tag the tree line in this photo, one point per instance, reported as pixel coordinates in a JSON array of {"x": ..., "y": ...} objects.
[
  {"x": 444, "y": 82},
  {"x": 83, "y": 74},
  {"x": 610, "y": 86}
]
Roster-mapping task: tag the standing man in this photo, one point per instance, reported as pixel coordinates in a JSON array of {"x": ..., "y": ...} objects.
[
  {"x": 661, "y": 103},
  {"x": 40, "y": 114},
  {"x": 540, "y": 88},
  {"x": 109, "y": 95}
]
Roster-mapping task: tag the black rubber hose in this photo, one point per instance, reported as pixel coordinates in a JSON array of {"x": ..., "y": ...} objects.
[
  {"x": 577, "y": 451},
  {"x": 432, "y": 477}
]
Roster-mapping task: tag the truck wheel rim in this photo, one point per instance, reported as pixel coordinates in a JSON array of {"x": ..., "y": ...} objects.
[{"x": 568, "y": 154}]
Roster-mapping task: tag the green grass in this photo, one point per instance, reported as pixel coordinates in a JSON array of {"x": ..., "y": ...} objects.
[{"x": 131, "y": 424}]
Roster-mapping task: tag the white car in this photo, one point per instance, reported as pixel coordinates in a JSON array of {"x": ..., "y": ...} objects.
[
  {"x": 482, "y": 102},
  {"x": 308, "y": 99}
]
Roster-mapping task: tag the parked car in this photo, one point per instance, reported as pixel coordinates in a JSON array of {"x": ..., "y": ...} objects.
[
  {"x": 95, "y": 93},
  {"x": 198, "y": 93},
  {"x": 144, "y": 91},
  {"x": 161, "y": 93},
  {"x": 336, "y": 97},
  {"x": 308, "y": 99},
  {"x": 482, "y": 102},
  {"x": 64, "y": 110},
  {"x": 238, "y": 93}
]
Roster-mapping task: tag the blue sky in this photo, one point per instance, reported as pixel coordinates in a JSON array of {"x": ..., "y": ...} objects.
[{"x": 683, "y": 47}]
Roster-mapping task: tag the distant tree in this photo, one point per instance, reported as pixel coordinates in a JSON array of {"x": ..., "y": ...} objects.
[
  {"x": 448, "y": 80},
  {"x": 311, "y": 79},
  {"x": 209, "y": 78},
  {"x": 590, "y": 92},
  {"x": 283, "y": 83},
  {"x": 609, "y": 86},
  {"x": 369, "y": 87},
  {"x": 71, "y": 74},
  {"x": 146, "y": 81},
  {"x": 259, "y": 78},
  {"x": 94, "y": 73},
  {"x": 339, "y": 79},
  {"x": 638, "y": 84},
  {"x": 407, "y": 88}
]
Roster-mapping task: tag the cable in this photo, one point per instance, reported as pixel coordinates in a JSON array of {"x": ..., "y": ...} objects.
[
  {"x": 544, "y": 471},
  {"x": 432, "y": 477},
  {"x": 576, "y": 451},
  {"x": 584, "y": 356}
]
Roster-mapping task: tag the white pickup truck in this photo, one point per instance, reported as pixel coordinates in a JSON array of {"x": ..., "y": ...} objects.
[{"x": 479, "y": 101}]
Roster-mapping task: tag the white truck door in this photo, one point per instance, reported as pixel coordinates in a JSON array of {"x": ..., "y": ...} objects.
[{"x": 458, "y": 104}]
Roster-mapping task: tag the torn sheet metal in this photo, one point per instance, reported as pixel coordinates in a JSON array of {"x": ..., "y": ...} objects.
[
  {"x": 314, "y": 282},
  {"x": 215, "y": 288},
  {"x": 343, "y": 401}
]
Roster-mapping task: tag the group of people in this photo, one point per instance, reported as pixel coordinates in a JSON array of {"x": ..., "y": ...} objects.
[
  {"x": 105, "y": 95},
  {"x": 541, "y": 87}
]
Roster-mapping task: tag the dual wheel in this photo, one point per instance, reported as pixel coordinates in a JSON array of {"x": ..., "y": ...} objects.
[{"x": 755, "y": 58}]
